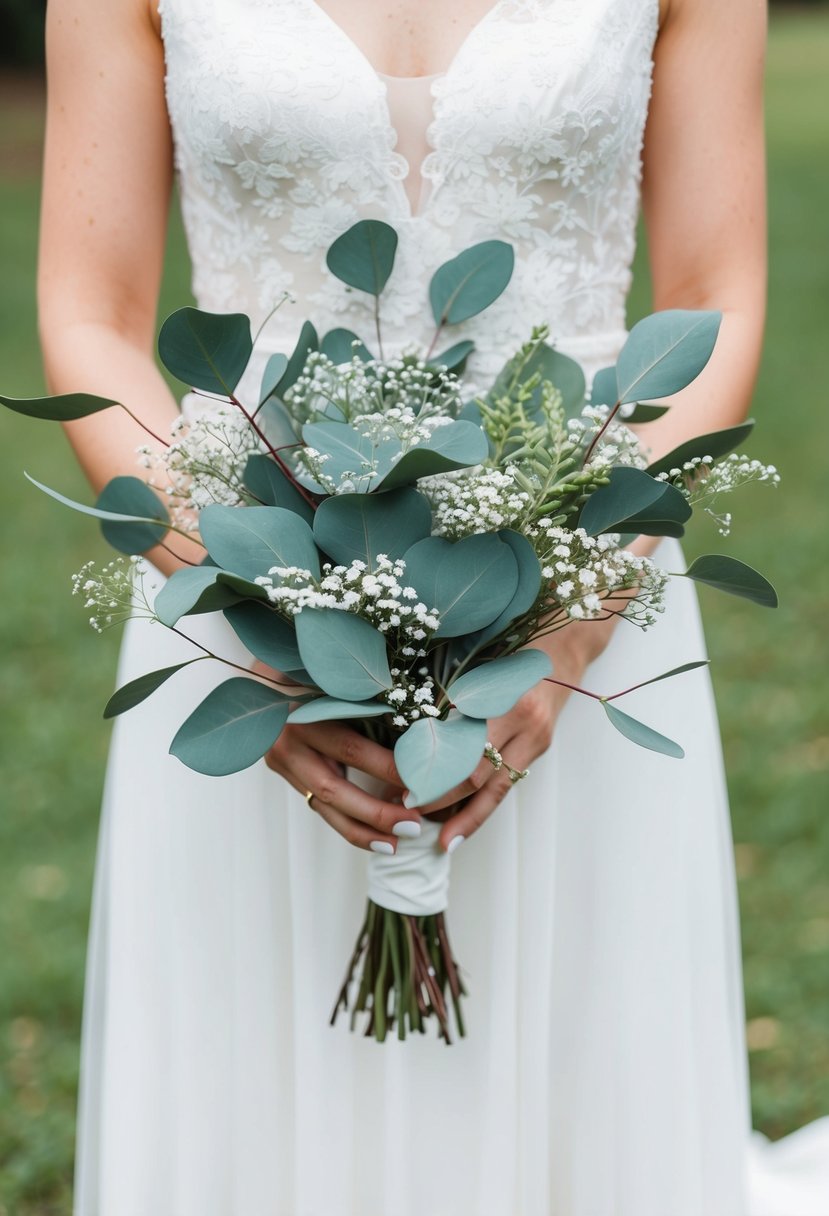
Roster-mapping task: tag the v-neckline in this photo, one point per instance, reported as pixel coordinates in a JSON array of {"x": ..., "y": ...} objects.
[
  {"x": 357, "y": 50},
  {"x": 431, "y": 81}
]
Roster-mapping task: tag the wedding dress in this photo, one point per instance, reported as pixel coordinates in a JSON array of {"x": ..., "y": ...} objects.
[{"x": 595, "y": 914}]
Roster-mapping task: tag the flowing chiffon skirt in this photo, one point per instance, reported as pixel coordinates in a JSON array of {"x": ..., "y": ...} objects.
[{"x": 595, "y": 917}]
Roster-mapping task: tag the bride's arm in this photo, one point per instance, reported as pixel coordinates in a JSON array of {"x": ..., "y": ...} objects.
[
  {"x": 704, "y": 205},
  {"x": 106, "y": 193}
]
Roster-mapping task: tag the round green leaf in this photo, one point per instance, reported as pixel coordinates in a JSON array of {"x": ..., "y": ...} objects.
[
  {"x": 526, "y": 593},
  {"x": 349, "y": 526},
  {"x": 267, "y": 635},
  {"x": 363, "y": 257},
  {"x": 343, "y": 654},
  {"x": 328, "y": 709},
  {"x": 665, "y": 352},
  {"x": 61, "y": 408},
  {"x": 731, "y": 575},
  {"x": 645, "y": 411},
  {"x": 132, "y": 496},
  {"x": 458, "y": 445},
  {"x": 552, "y": 366},
  {"x": 136, "y": 691},
  {"x": 715, "y": 445},
  {"x": 251, "y": 540},
  {"x": 434, "y": 755},
  {"x": 307, "y": 341},
  {"x": 232, "y": 728},
  {"x": 603, "y": 390},
  {"x": 629, "y": 492},
  {"x": 339, "y": 346},
  {"x": 454, "y": 359},
  {"x": 206, "y": 350},
  {"x": 469, "y": 583},
  {"x": 470, "y": 282},
  {"x": 275, "y": 369},
  {"x": 199, "y": 589},
  {"x": 493, "y": 688},
  {"x": 266, "y": 481}
]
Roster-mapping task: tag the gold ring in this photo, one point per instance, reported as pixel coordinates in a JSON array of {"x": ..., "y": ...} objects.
[{"x": 309, "y": 794}]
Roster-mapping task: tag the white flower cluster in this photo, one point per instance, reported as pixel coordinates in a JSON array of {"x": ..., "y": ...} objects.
[
  {"x": 380, "y": 596},
  {"x": 586, "y": 575},
  {"x": 353, "y": 390},
  {"x": 114, "y": 593},
  {"x": 702, "y": 481},
  {"x": 618, "y": 445},
  {"x": 411, "y": 699},
  {"x": 475, "y": 500},
  {"x": 204, "y": 464}
]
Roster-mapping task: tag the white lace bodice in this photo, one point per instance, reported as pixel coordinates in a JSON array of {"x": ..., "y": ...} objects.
[{"x": 284, "y": 138}]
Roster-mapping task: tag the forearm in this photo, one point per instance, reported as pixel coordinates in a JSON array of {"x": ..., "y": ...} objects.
[{"x": 92, "y": 357}]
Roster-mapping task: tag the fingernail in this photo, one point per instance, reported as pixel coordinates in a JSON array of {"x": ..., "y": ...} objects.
[
  {"x": 382, "y": 846},
  {"x": 407, "y": 827},
  {"x": 454, "y": 843},
  {"x": 409, "y": 800}
]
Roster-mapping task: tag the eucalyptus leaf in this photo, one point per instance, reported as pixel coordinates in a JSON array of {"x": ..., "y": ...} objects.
[
  {"x": 493, "y": 688},
  {"x": 469, "y": 583},
  {"x": 132, "y": 694},
  {"x": 307, "y": 341},
  {"x": 349, "y": 452},
  {"x": 731, "y": 575},
  {"x": 328, "y": 709},
  {"x": 644, "y": 736},
  {"x": 458, "y": 445},
  {"x": 665, "y": 517},
  {"x": 195, "y": 590},
  {"x": 434, "y": 755},
  {"x": 132, "y": 496},
  {"x": 276, "y": 425},
  {"x": 251, "y": 540},
  {"x": 454, "y": 359},
  {"x": 267, "y": 635},
  {"x": 554, "y": 368},
  {"x": 232, "y": 728},
  {"x": 206, "y": 350},
  {"x": 665, "y": 352},
  {"x": 363, "y": 257},
  {"x": 628, "y": 493},
  {"x": 526, "y": 593},
  {"x": 715, "y": 444},
  {"x": 666, "y": 675},
  {"x": 349, "y": 526},
  {"x": 470, "y": 282},
  {"x": 604, "y": 390},
  {"x": 62, "y": 408},
  {"x": 645, "y": 411},
  {"x": 339, "y": 346},
  {"x": 266, "y": 481},
  {"x": 97, "y": 513},
  {"x": 344, "y": 654},
  {"x": 275, "y": 369}
]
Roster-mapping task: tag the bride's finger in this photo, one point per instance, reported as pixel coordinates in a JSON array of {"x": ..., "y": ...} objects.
[
  {"x": 351, "y": 830},
  {"x": 479, "y": 808},
  {"x": 352, "y": 749},
  {"x": 309, "y": 771}
]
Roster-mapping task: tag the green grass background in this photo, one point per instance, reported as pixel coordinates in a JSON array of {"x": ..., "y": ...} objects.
[{"x": 769, "y": 668}]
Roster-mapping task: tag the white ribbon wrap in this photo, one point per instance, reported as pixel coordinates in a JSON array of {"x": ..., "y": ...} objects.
[{"x": 415, "y": 879}]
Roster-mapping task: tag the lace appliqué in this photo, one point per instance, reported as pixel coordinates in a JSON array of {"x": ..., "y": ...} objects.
[{"x": 283, "y": 139}]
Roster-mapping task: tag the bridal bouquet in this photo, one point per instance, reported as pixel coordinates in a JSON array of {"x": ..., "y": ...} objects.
[{"x": 391, "y": 546}]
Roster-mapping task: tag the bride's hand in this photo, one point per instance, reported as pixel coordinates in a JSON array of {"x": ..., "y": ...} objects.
[
  {"x": 525, "y": 733},
  {"x": 313, "y": 759}
]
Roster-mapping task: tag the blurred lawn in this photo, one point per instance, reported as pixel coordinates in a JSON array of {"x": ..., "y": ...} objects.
[{"x": 768, "y": 669}]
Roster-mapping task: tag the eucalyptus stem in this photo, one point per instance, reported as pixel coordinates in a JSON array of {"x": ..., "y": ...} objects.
[{"x": 227, "y": 662}]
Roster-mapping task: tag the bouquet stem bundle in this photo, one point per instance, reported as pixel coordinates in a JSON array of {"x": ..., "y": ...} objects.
[{"x": 405, "y": 973}]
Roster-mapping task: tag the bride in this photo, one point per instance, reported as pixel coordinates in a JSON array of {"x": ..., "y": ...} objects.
[{"x": 604, "y": 1070}]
